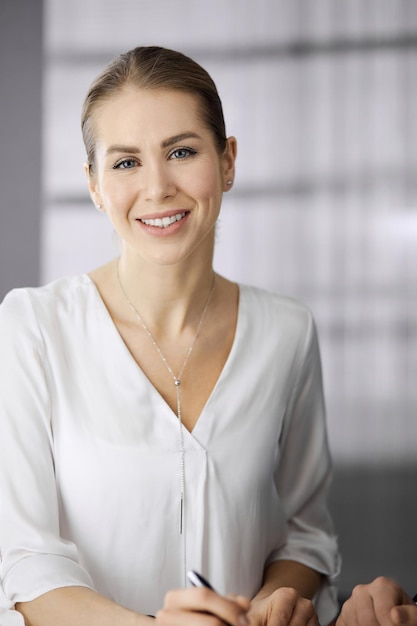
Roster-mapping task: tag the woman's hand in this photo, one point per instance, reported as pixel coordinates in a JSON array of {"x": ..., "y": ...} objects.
[
  {"x": 283, "y": 607},
  {"x": 283, "y": 597},
  {"x": 202, "y": 607},
  {"x": 380, "y": 603}
]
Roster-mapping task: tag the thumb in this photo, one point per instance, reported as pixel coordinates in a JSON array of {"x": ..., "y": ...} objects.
[{"x": 400, "y": 615}]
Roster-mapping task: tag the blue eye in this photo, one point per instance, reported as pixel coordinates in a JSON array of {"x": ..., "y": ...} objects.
[
  {"x": 182, "y": 153},
  {"x": 125, "y": 164}
]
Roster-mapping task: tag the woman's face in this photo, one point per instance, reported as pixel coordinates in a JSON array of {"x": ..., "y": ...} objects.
[{"x": 158, "y": 175}]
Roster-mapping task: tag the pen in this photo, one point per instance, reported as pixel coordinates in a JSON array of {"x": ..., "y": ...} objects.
[{"x": 197, "y": 580}]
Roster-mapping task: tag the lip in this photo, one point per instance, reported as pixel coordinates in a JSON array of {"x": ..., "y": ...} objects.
[
  {"x": 160, "y": 215},
  {"x": 157, "y": 231}
]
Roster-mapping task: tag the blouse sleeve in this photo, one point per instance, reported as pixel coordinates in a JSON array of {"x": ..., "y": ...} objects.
[
  {"x": 33, "y": 557},
  {"x": 303, "y": 478}
]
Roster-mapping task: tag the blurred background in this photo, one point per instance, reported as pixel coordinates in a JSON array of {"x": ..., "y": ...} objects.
[{"x": 322, "y": 96}]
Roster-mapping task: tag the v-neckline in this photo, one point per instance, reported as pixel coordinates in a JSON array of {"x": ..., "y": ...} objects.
[{"x": 136, "y": 367}]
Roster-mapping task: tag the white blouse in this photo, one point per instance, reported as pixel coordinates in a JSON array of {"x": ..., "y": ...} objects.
[{"x": 90, "y": 456}]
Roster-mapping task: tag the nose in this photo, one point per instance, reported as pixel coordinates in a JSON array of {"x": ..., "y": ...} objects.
[{"x": 159, "y": 183}]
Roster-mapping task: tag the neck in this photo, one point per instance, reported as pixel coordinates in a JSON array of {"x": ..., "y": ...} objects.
[{"x": 167, "y": 298}]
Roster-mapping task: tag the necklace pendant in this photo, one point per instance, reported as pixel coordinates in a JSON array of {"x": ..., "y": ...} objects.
[
  {"x": 177, "y": 382},
  {"x": 181, "y": 514}
]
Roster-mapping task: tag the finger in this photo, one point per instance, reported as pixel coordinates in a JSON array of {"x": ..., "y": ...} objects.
[
  {"x": 405, "y": 615},
  {"x": 289, "y": 608},
  {"x": 202, "y": 599},
  {"x": 174, "y": 617},
  {"x": 386, "y": 594},
  {"x": 358, "y": 610},
  {"x": 304, "y": 614},
  {"x": 242, "y": 601}
]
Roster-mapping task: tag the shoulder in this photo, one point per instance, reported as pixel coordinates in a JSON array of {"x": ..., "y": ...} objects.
[
  {"x": 280, "y": 330},
  {"x": 275, "y": 308},
  {"x": 33, "y": 305},
  {"x": 278, "y": 324}
]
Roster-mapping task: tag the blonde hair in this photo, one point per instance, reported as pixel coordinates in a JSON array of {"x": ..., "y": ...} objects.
[{"x": 153, "y": 67}]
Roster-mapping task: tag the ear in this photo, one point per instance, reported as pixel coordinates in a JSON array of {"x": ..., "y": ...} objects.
[
  {"x": 92, "y": 186},
  {"x": 229, "y": 158}
]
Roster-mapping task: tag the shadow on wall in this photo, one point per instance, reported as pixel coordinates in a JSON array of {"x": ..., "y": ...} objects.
[{"x": 375, "y": 514}]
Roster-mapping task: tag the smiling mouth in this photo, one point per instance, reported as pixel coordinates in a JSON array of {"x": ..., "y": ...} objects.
[{"x": 164, "y": 222}]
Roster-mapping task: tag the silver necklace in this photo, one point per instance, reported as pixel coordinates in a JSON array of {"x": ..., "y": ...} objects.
[{"x": 177, "y": 383}]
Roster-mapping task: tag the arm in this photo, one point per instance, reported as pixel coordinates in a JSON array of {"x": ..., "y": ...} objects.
[
  {"x": 78, "y": 606},
  {"x": 32, "y": 550},
  {"x": 381, "y": 603},
  {"x": 40, "y": 571},
  {"x": 290, "y": 574},
  {"x": 308, "y": 561}
]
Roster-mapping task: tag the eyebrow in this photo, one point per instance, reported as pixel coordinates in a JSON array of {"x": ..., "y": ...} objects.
[
  {"x": 122, "y": 148},
  {"x": 165, "y": 144},
  {"x": 177, "y": 138}
]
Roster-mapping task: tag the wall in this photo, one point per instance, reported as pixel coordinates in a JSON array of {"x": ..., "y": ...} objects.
[{"x": 21, "y": 67}]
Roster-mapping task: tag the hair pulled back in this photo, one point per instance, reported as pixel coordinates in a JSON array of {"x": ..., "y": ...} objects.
[{"x": 154, "y": 67}]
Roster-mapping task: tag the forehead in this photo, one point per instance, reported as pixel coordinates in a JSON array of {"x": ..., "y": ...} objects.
[{"x": 150, "y": 112}]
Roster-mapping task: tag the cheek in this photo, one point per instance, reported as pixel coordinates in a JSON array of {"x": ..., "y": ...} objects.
[
  {"x": 116, "y": 197},
  {"x": 208, "y": 186}
]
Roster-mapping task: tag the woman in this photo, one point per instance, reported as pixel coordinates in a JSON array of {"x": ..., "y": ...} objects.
[{"x": 157, "y": 416}]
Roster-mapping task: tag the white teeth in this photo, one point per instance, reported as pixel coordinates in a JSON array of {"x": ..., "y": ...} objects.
[{"x": 165, "y": 221}]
